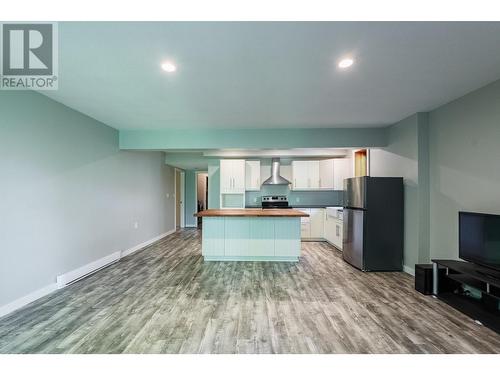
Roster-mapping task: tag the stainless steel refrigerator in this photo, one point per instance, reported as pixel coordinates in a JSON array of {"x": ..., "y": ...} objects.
[{"x": 374, "y": 223}]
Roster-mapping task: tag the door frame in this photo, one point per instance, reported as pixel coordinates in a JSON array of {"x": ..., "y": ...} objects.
[
  {"x": 353, "y": 164},
  {"x": 182, "y": 174},
  {"x": 196, "y": 188}
]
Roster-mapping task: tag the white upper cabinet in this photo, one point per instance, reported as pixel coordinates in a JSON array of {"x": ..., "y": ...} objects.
[
  {"x": 342, "y": 169},
  {"x": 252, "y": 175},
  {"x": 232, "y": 176},
  {"x": 306, "y": 174},
  {"x": 326, "y": 173}
]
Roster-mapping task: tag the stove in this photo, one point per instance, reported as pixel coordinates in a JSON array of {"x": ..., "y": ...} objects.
[{"x": 275, "y": 201}]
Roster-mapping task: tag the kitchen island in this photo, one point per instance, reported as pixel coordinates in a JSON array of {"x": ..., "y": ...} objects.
[{"x": 251, "y": 234}]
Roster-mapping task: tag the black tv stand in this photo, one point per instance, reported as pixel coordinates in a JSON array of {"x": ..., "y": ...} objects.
[
  {"x": 449, "y": 287},
  {"x": 489, "y": 274}
]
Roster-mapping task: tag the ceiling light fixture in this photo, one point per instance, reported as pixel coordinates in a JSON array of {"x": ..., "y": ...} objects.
[
  {"x": 345, "y": 63},
  {"x": 168, "y": 66}
]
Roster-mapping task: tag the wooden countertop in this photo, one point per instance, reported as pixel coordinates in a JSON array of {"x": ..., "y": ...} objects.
[{"x": 270, "y": 212}]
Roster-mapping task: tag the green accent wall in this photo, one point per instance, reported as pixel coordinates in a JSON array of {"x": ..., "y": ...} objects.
[
  {"x": 406, "y": 156},
  {"x": 464, "y": 164},
  {"x": 251, "y": 138},
  {"x": 69, "y": 195}
]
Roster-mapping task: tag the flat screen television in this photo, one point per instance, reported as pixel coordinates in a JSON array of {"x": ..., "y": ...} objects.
[{"x": 479, "y": 238}]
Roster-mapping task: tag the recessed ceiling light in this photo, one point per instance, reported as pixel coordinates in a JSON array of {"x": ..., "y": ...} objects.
[
  {"x": 345, "y": 63},
  {"x": 169, "y": 67}
]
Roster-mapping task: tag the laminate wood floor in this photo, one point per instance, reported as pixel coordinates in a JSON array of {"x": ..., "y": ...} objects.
[{"x": 165, "y": 299}]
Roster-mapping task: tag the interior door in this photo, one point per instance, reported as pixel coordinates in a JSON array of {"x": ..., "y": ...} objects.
[{"x": 353, "y": 237}]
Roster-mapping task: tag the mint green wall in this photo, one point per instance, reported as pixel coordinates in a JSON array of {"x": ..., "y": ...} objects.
[
  {"x": 251, "y": 138},
  {"x": 465, "y": 164},
  {"x": 213, "y": 184},
  {"x": 68, "y": 195},
  {"x": 190, "y": 205},
  {"x": 406, "y": 156}
]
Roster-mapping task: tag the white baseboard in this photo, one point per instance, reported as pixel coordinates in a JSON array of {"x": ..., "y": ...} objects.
[
  {"x": 191, "y": 226},
  {"x": 132, "y": 250},
  {"x": 71, "y": 276},
  {"x": 409, "y": 270},
  {"x": 65, "y": 279},
  {"x": 27, "y": 299}
]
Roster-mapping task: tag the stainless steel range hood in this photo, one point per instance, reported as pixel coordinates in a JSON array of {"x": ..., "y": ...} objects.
[{"x": 275, "y": 178}]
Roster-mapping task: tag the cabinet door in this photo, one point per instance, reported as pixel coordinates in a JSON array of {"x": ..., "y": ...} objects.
[
  {"x": 226, "y": 181},
  {"x": 286, "y": 231},
  {"x": 330, "y": 228},
  {"x": 317, "y": 222},
  {"x": 237, "y": 233},
  {"x": 252, "y": 175},
  {"x": 238, "y": 175},
  {"x": 341, "y": 170},
  {"x": 313, "y": 169},
  {"x": 300, "y": 174},
  {"x": 261, "y": 236},
  {"x": 305, "y": 224},
  {"x": 338, "y": 234},
  {"x": 326, "y": 173}
]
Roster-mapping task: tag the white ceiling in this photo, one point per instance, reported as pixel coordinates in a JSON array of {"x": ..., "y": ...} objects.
[{"x": 261, "y": 75}]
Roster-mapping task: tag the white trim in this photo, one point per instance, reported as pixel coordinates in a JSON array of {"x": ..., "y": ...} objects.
[
  {"x": 71, "y": 276},
  {"x": 27, "y": 299},
  {"x": 182, "y": 209},
  {"x": 64, "y": 279},
  {"x": 132, "y": 250},
  {"x": 409, "y": 270},
  {"x": 183, "y": 197}
]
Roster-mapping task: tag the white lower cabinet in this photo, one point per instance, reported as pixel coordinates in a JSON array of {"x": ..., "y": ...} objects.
[
  {"x": 322, "y": 224},
  {"x": 312, "y": 227},
  {"x": 317, "y": 222},
  {"x": 337, "y": 234},
  {"x": 330, "y": 222}
]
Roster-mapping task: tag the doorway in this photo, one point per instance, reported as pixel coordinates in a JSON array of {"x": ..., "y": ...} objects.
[
  {"x": 201, "y": 194},
  {"x": 179, "y": 199}
]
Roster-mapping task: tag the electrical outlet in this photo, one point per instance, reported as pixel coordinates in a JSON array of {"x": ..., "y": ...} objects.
[
  {"x": 136, "y": 225},
  {"x": 255, "y": 199},
  {"x": 297, "y": 199},
  {"x": 168, "y": 195}
]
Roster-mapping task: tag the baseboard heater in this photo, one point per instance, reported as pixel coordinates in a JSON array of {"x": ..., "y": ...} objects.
[{"x": 87, "y": 270}]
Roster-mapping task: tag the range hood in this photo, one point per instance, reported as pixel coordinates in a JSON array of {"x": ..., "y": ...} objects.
[{"x": 275, "y": 178}]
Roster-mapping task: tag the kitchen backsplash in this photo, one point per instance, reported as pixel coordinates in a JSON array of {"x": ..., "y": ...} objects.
[{"x": 296, "y": 198}]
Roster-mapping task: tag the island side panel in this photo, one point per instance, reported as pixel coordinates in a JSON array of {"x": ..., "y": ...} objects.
[
  {"x": 237, "y": 235},
  {"x": 261, "y": 236},
  {"x": 287, "y": 237},
  {"x": 213, "y": 237}
]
